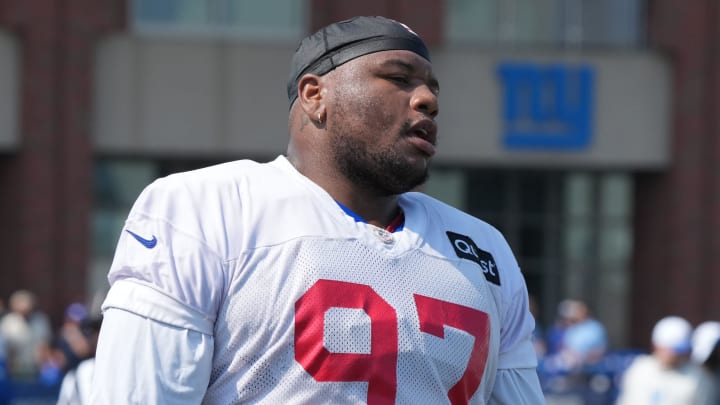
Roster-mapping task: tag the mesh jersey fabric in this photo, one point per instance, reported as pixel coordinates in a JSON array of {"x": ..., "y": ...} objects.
[{"x": 308, "y": 306}]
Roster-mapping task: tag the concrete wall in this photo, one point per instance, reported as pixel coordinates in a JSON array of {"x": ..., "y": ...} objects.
[{"x": 175, "y": 96}]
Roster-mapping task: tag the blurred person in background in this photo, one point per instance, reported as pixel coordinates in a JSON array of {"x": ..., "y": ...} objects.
[
  {"x": 76, "y": 385},
  {"x": 666, "y": 376},
  {"x": 27, "y": 333},
  {"x": 554, "y": 333},
  {"x": 68, "y": 347},
  {"x": 706, "y": 353},
  {"x": 584, "y": 340},
  {"x": 71, "y": 340},
  {"x": 5, "y": 388},
  {"x": 578, "y": 342}
]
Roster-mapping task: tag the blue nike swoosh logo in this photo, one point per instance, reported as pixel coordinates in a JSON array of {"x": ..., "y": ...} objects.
[{"x": 148, "y": 243}]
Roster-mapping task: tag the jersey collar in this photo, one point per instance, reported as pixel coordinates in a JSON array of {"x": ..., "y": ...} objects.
[{"x": 396, "y": 225}]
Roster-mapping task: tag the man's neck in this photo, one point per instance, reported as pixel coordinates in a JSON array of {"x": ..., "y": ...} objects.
[{"x": 375, "y": 209}]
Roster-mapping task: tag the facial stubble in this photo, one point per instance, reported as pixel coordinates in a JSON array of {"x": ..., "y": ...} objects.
[{"x": 383, "y": 171}]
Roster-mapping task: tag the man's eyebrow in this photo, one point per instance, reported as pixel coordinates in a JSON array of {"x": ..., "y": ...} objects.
[{"x": 411, "y": 68}]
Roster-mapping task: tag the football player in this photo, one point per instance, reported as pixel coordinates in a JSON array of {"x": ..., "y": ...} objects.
[{"x": 320, "y": 277}]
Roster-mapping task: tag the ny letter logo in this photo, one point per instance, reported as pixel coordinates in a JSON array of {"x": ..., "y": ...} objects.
[{"x": 547, "y": 106}]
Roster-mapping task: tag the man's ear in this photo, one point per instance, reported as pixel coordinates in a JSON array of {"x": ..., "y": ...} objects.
[{"x": 311, "y": 97}]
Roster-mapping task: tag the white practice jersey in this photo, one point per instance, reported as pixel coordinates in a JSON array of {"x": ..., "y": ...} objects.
[{"x": 302, "y": 304}]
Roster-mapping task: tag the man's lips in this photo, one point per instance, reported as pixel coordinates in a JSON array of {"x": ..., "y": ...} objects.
[
  {"x": 422, "y": 144},
  {"x": 423, "y": 135}
]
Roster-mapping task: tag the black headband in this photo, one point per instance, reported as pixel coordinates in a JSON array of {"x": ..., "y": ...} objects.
[{"x": 341, "y": 42}]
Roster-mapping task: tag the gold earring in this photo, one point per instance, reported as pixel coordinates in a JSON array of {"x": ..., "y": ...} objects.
[{"x": 320, "y": 121}]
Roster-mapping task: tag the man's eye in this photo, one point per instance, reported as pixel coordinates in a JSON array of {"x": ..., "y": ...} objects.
[{"x": 400, "y": 79}]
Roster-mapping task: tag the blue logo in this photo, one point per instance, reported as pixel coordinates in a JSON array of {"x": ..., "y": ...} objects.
[
  {"x": 148, "y": 243},
  {"x": 547, "y": 106}
]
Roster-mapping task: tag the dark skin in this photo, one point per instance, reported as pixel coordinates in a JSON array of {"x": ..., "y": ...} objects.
[{"x": 365, "y": 132}]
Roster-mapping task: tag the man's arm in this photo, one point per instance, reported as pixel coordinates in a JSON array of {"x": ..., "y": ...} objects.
[
  {"x": 517, "y": 386},
  {"x": 156, "y": 341},
  {"x": 517, "y": 381},
  {"x": 143, "y": 361}
]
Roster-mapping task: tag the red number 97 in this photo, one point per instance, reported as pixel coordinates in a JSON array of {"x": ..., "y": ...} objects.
[{"x": 379, "y": 367}]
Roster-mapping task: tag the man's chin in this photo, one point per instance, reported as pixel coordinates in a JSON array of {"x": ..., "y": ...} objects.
[{"x": 411, "y": 183}]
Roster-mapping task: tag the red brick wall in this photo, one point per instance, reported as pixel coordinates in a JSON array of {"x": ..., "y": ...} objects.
[
  {"x": 677, "y": 257},
  {"x": 711, "y": 279},
  {"x": 51, "y": 173}
]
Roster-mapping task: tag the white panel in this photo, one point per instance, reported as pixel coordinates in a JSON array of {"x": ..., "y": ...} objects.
[
  {"x": 178, "y": 95},
  {"x": 116, "y": 96},
  {"x": 191, "y": 97},
  {"x": 9, "y": 93},
  {"x": 256, "y": 101}
]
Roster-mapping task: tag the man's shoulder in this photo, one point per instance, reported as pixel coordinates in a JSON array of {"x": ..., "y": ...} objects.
[
  {"x": 469, "y": 239},
  {"x": 452, "y": 217},
  {"x": 222, "y": 173},
  {"x": 228, "y": 177},
  {"x": 214, "y": 191}
]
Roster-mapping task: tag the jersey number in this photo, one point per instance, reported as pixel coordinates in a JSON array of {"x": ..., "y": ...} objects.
[{"x": 379, "y": 367}]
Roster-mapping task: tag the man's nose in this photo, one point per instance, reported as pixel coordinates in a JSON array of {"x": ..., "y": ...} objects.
[{"x": 425, "y": 101}]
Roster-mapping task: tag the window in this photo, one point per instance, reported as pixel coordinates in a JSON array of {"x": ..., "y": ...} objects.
[
  {"x": 571, "y": 233},
  {"x": 267, "y": 19},
  {"x": 117, "y": 184},
  {"x": 597, "y": 244},
  {"x": 607, "y": 23}
]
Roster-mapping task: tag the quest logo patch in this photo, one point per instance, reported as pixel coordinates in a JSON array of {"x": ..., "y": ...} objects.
[{"x": 465, "y": 248}]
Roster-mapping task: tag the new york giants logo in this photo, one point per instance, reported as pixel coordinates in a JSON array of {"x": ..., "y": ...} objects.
[{"x": 547, "y": 106}]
